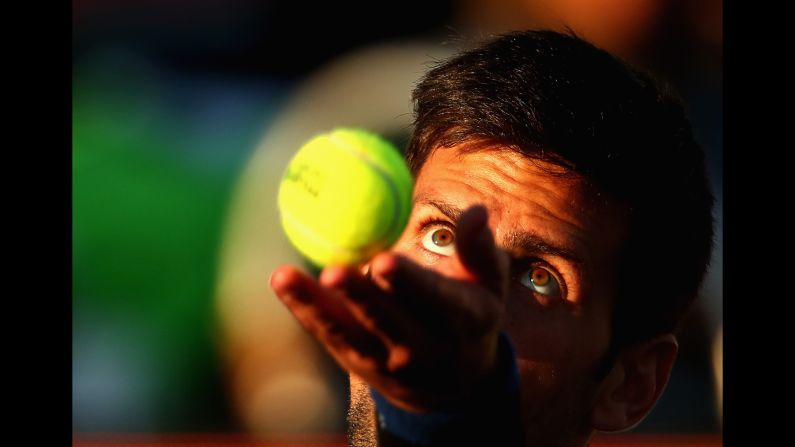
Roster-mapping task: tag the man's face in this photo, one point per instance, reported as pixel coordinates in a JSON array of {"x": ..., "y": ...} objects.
[{"x": 563, "y": 241}]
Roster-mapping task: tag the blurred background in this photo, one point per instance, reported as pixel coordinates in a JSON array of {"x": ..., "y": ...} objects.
[{"x": 184, "y": 114}]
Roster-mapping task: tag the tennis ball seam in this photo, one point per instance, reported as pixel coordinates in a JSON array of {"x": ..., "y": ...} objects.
[{"x": 388, "y": 233}]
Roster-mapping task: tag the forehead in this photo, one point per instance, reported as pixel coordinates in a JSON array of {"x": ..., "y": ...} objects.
[{"x": 513, "y": 188}]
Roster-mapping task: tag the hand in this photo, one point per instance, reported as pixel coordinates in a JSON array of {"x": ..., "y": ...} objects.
[{"x": 423, "y": 338}]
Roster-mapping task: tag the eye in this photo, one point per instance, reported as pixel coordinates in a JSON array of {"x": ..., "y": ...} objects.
[
  {"x": 542, "y": 281},
  {"x": 439, "y": 240}
]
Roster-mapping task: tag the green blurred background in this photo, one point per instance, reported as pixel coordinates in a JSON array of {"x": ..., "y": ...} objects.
[
  {"x": 154, "y": 158},
  {"x": 169, "y": 100}
]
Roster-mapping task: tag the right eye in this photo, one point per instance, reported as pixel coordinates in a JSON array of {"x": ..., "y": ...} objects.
[{"x": 439, "y": 240}]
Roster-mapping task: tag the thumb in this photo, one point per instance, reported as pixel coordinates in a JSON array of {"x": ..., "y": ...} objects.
[{"x": 477, "y": 253}]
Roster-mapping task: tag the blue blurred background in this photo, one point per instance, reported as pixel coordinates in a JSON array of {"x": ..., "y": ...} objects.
[{"x": 170, "y": 100}]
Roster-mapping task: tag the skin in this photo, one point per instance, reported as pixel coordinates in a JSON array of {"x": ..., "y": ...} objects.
[{"x": 420, "y": 323}]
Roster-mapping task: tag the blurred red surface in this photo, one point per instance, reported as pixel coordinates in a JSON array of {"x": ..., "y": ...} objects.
[{"x": 227, "y": 440}]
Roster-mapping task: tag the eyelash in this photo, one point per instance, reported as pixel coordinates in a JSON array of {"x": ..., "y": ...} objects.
[
  {"x": 431, "y": 221},
  {"x": 520, "y": 266},
  {"x": 426, "y": 225}
]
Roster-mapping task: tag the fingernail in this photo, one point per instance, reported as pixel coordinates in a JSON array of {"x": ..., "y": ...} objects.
[
  {"x": 270, "y": 278},
  {"x": 383, "y": 269},
  {"x": 277, "y": 278},
  {"x": 366, "y": 270}
]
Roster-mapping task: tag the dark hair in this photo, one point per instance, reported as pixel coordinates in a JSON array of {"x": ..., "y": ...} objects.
[{"x": 557, "y": 98}]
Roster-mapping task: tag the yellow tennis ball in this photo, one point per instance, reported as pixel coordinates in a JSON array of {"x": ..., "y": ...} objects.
[{"x": 345, "y": 196}]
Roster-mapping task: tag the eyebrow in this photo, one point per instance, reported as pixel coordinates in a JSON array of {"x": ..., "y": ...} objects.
[
  {"x": 528, "y": 242},
  {"x": 451, "y": 211},
  {"x": 518, "y": 241}
]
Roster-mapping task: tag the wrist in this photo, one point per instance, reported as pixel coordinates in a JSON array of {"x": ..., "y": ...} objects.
[{"x": 492, "y": 406}]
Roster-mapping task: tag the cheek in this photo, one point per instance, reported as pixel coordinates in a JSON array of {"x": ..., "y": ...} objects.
[
  {"x": 538, "y": 378},
  {"x": 554, "y": 346},
  {"x": 405, "y": 243},
  {"x": 552, "y": 404},
  {"x": 541, "y": 334},
  {"x": 552, "y": 378},
  {"x": 558, "y": 332},
  {"x": 538, "y": 386}
]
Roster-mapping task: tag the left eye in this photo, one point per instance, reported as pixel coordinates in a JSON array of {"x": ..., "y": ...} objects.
[
  {"x": 541, "y": 280},
  {"x": 439, "y": 240}
]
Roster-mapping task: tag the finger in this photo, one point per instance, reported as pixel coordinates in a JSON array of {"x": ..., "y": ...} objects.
[
  {"x": 375, "y": 309},
  {"x": 323, "y": 316},
  {"x": 444, "y": 301},
  {"x": 367, "y": 303},
  {"x": 477, "y": 252}
]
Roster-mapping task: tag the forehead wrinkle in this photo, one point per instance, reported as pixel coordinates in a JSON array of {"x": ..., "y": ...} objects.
[
  {"x": 507, "y": 169},
  {"x": 451, "y": 197},
  {"x": 480, "y": 187},
  {"x": 552, "y": 199},
  {"x": 566, "y": 191},
  {"x": 529, "y": 242},
  {"x": 498, "y": 178},
  {"x": 568, "y": 225},
  {"x": 503, "y": 177}
]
